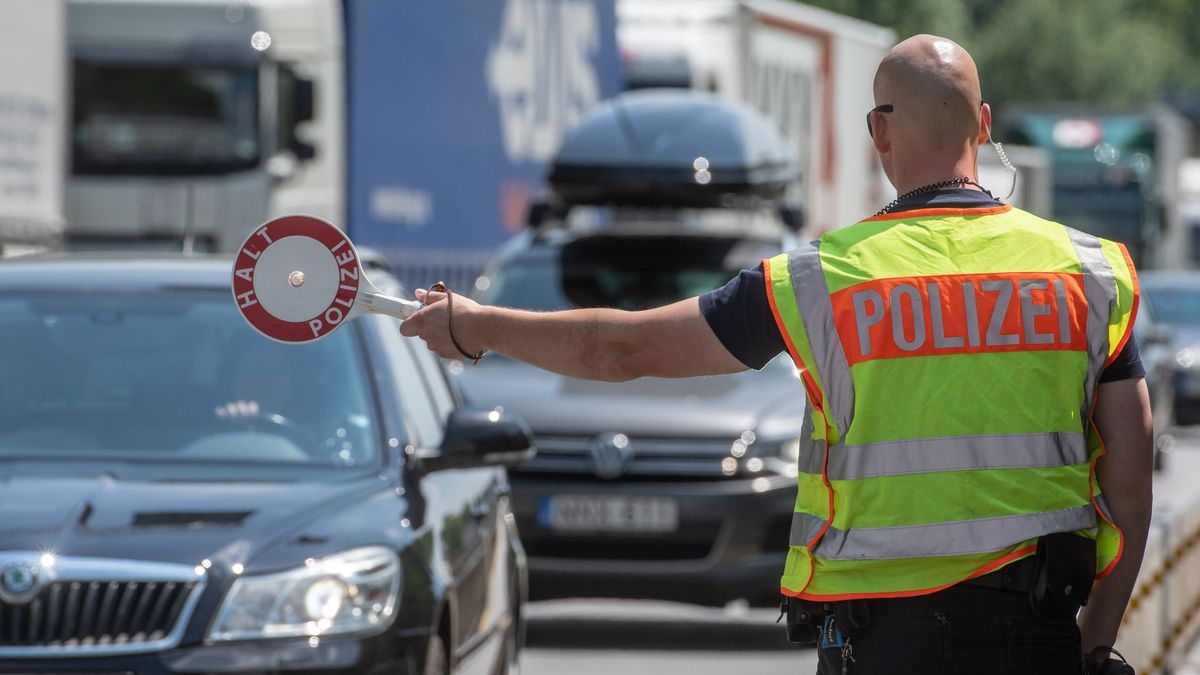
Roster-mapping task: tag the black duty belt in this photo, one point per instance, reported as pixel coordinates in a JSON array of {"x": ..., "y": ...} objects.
[{"x": 1016, "y": 576}]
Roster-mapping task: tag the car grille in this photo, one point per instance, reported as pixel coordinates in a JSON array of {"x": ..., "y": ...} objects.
[
  {"x": 652, "y": 457},
  {"x": 99, "y": 606}
]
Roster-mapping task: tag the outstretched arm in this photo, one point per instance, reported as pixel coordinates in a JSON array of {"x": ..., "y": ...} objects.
[
  {"x": 593, "y": 344},
  {"x": 1122, "y": 417}
]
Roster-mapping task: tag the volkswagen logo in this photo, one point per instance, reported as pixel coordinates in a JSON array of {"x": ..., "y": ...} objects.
[
  {"x": 609, "y": 455},
  {"x": 18, "y": 582}
]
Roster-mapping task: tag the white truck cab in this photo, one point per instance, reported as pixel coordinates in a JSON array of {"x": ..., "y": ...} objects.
[{"x": 196, "y": 120}]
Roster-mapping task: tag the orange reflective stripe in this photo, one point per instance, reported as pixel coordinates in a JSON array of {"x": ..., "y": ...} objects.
[
  {"x": 925, "y": 213},
  {"x": 961, "y": 314},
  {"x": 810, "y": 385},
  {"x": 1137, "y": 297},
  {"x": 834, "y": 597}
]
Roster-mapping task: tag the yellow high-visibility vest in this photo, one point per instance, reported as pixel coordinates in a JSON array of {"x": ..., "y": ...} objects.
[{"x": 951, "y": 358}]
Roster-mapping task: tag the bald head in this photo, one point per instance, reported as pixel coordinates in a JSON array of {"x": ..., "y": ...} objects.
[{"x": 933, "y": 86}]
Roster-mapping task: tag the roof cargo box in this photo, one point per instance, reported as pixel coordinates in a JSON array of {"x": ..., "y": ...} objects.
[{"x": 671, "y": 147}]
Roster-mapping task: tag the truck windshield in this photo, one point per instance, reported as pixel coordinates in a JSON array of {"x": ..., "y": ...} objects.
[
  {"x": 1116, "y": 212},
  {"x": 138, "y": 119},
  {"x": 175, "y": 376}
]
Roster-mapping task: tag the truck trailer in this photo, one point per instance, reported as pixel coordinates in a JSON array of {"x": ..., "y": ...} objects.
[
  {"x": 33, "y": 107},
  {"x": 807, "y": 69}
]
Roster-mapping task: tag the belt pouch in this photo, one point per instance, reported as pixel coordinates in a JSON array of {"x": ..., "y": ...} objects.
[
  {"x": 1066, "y": 568},
  {"x": 803, "y": 621}
]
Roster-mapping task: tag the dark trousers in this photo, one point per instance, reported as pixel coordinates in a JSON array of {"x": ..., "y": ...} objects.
[{"x": 963, "y": 630}]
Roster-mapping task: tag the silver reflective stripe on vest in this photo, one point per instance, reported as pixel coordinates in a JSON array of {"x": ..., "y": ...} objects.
[
  {"x": 1103, "y": 506},
  {"x": 951, "y": 453},
  {"x": 812, "y": 450},
  {"x": 1100, "y": 290},
  {"x": 812, "y": 299},
  {"x": 962, "y": 537}
]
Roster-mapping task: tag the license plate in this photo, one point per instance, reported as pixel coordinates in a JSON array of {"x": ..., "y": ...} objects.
[{"x": 586, "y": 513}]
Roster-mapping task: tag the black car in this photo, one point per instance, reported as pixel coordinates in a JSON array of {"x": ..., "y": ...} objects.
[{"x": 182, "y": 495}]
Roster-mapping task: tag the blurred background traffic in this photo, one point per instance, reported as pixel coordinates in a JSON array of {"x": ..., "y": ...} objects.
[{"x": 550, "y": 154}]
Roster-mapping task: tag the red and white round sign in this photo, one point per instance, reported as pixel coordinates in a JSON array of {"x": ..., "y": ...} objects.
[{"x": 296, "y": 278}]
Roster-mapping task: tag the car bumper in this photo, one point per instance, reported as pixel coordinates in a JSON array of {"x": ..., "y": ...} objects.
[
  {"x": 731, "y": 542},
  {"x": 386, "y": 653}
]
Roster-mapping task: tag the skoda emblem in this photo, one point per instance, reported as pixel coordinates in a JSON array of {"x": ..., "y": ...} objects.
[
  {"x": 18, "y": 582},
  {"x": 609, "y": 455}
]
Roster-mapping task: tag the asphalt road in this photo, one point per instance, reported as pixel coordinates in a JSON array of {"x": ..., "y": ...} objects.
[{"x": 652, "y": 638}]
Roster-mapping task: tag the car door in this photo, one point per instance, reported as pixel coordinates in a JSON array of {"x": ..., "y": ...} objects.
[{"x": 461, "y": 506}]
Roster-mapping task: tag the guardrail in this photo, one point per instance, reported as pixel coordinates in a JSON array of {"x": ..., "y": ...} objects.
[{"x": 1162, "y": 622}]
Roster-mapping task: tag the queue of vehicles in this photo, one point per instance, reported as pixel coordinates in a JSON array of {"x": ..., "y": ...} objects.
[
  {"x": 207, "y": 529},
  {"x": 184, "y": 138}
]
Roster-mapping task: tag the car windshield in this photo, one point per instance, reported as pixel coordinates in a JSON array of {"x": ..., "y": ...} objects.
[
  {"x": 1175, "y": 306},
  {"x": 629, "y": 273},
  {"x": 175, "y": 376},
  {"x": 623, "y": 272},
  {"x": 136, "y": 119}
]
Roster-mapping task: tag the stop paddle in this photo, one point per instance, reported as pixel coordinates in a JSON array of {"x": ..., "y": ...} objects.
[{"x": 297, "y": 279}]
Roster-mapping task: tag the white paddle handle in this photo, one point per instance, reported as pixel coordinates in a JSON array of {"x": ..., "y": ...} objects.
[{"x": 386, "y": 304}]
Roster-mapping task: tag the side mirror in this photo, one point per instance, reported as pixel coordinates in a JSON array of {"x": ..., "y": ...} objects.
[
  {"x": 303, "y": 150},
  {"x": 539, "y": 212},
  {"x": 302, "y": 100},
  {"x": 792, "y": 216},
  {"x": 477, "y": 438},
  {"x": 300, "y": 92}
]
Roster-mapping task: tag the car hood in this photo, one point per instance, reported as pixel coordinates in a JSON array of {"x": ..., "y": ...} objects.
[
  {"x": 153, "y": 516},
  {"x": 769, "y": 402}
]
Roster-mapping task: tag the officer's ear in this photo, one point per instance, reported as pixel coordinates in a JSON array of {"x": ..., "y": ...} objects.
[
  {"x": 881, "y": 134},
  {"x": 985, "y": 124}
]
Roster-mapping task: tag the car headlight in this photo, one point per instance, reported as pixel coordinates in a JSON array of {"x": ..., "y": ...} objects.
[
  {"x": 350, "y": 592},
  {"x": 776, "y": 456}
]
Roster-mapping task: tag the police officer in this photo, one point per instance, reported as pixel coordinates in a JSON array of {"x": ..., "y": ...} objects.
[{"x": 963, "y": 360}]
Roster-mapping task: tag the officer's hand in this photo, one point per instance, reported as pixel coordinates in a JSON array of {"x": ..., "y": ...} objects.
[{"x": 432, "y": 324}]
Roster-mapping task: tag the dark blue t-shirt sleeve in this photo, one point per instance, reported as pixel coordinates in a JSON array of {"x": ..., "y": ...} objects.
[
  {"x": 741, "y": 318},
  {"x": 1127, "y": 365}
]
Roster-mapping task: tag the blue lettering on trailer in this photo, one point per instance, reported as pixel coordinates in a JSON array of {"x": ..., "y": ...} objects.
[{"x": 456, "y": 106}]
